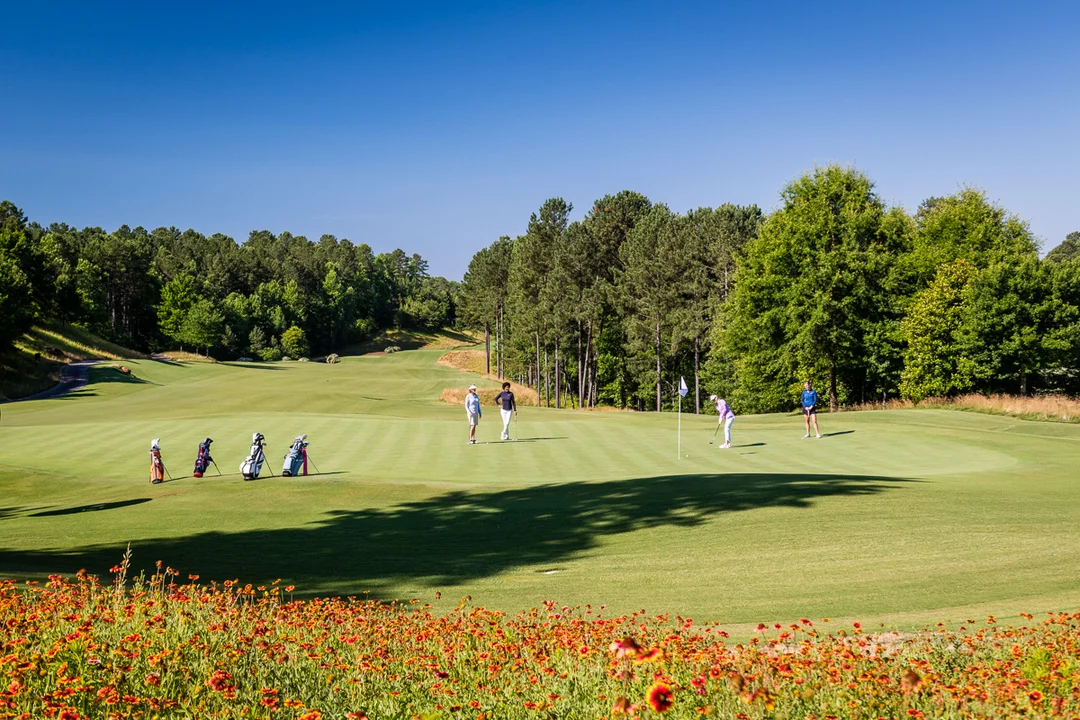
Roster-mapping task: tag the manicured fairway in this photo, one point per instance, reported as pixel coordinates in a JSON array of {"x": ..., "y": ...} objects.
[{"x": 902, "y": 517}]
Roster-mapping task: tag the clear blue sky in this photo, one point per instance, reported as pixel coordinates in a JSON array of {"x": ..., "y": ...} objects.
[{"x": 438, "y": 126}]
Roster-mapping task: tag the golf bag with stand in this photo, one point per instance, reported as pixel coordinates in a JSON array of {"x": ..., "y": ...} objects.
[
  {"x": 252, "y": 465},
  {"x": 295, "y": 461},
  {"x": 157, "y": 467},
  {"x": 203, "y": 459}
]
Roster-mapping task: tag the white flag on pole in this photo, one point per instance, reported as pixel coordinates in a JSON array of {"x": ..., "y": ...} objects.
[{"x": 682, "y": 387}]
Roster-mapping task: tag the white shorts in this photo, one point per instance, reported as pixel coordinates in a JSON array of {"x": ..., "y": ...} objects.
[{"x": 474, "y": 418}]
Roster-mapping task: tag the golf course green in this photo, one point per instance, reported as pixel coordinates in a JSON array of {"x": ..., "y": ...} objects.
[{"x": 901, "y": 517}]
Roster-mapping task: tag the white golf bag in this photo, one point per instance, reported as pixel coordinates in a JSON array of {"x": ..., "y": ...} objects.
[
  {"x": 294, "y": 460},
  {"x": 252, "y": 465}
]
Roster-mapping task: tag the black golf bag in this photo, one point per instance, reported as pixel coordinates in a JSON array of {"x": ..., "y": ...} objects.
[
  {"x": 294, "y": 461},
  {"x": 252, "y": 465},
  {"x": 203, "y": 459}
]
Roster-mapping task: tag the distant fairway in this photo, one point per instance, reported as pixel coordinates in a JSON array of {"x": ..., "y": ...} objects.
[{"x": 902, "y": 517}]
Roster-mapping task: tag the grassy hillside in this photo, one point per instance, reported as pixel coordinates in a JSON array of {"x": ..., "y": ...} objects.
[
  {"x": 34, "y": 363},
  {"x": 896, "y": 516}
]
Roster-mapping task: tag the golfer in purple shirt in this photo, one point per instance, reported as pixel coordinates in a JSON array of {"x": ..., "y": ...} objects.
[{"x": 726, "y": 418}]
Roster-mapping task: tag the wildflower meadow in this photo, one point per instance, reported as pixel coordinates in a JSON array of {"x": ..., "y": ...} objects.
[{"x": 159, "y": 647}]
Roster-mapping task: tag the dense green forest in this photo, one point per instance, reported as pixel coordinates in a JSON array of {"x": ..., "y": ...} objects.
[
  {"x": 269, "y": 297},
  {"x": 869, "y": 302}
]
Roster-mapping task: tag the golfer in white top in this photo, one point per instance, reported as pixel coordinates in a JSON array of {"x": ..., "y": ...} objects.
[
  {"x": 472, "y": 409},
  {"x": 726, "y": 418}
]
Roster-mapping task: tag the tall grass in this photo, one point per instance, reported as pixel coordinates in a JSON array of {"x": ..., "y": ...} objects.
[
  {"x": 472, "y": 361},
  {"x": 1054, "y": 408}
]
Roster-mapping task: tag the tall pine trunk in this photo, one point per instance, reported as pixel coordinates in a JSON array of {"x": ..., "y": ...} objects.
[
  {"x": 547, "y": 380},
  {"x": 659, "y": 405},
  {"x": 487, "y": 348},
  {"x": 697, "y": 376},
  {"x": 537, "y": 368},
  {"x": 580, "y": 371},
  {"x": 832, "y": 388},
  {"x": 558, "y": 376}
]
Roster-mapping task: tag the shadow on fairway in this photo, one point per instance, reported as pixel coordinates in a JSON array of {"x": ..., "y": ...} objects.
[
  {"x": 838, "y": 432},
  {"x": 457, "y": 536},
  {"x": 17, "y": 511},
  {"x": 519, "y": 440},
  {"x": 108, "y": 374},
  {"x": 91, "y": 508}
]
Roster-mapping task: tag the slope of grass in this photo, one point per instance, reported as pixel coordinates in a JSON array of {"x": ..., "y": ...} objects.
[
  {"x": 896, "y": 516},
  {"x": 34, "y": 363},
  {"x": 66, "y": 343},
  {"x": 444, "y": 339}
]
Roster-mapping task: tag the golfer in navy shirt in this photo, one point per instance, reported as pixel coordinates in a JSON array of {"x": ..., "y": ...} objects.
[{"x": 508, "y": 408}]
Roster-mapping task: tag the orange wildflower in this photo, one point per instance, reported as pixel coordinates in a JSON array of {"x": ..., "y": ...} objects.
[{"x": 660, "y": 697}]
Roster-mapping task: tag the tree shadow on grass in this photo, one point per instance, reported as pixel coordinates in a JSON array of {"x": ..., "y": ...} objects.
[
  {"x": 107, "y": 374},
  {"x": 91, "y": 508},
  {"x": 457, "y": 536}
]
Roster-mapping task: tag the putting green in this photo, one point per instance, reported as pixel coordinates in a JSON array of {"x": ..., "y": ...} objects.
[{"x": 902, "y": 517}]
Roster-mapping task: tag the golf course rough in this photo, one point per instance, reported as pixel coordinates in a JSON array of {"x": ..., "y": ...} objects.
[{"x": 901, "y": 518}]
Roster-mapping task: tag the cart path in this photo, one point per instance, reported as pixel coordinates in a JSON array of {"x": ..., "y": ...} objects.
[{"x": 72, "y": 377}]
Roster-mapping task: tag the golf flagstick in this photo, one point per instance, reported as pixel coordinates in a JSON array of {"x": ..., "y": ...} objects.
[{"x": 683, "y": 389}]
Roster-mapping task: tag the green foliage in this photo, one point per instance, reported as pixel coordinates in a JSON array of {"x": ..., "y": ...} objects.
[
  {"x": 810, "y": 292},
  {"x": 270, "y": 354},
  {"x": 19, "y": 263},
  {"x": 137, "y": 287},
  {"x": 202, "y": 325},
  {"x": 935, "y": 362},
  {"x": 1067, "y": 251},
  {"x": 967, "y": 226},
  {"x": 177, "y": 298},
  {"x": 293, "y": 342}
]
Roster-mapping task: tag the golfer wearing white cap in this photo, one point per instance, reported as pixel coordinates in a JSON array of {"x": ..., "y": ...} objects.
[
  {"x": 726, "y": 418},
  {"x": 472, "y": 408}
]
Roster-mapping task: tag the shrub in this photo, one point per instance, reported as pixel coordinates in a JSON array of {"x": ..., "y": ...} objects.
[
  {"x": 294, "y": 343},
  {"x": 270, "y": 354}
]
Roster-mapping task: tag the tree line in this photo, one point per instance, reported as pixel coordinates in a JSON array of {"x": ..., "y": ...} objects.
[
  {"x": 869, "y": 302},
  {"x": 271, "y": 296}
]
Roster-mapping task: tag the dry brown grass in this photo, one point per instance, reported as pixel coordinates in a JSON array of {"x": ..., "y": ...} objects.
[
  {"x": 891, "y": 404},
  {"x": 1056, "y": 408},
  {"x": 184, "y": 356},
  {"x": 472, "y": 361},
  {"x": 525, "y": 397},
  {"x": 1059, "y": 408}
]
